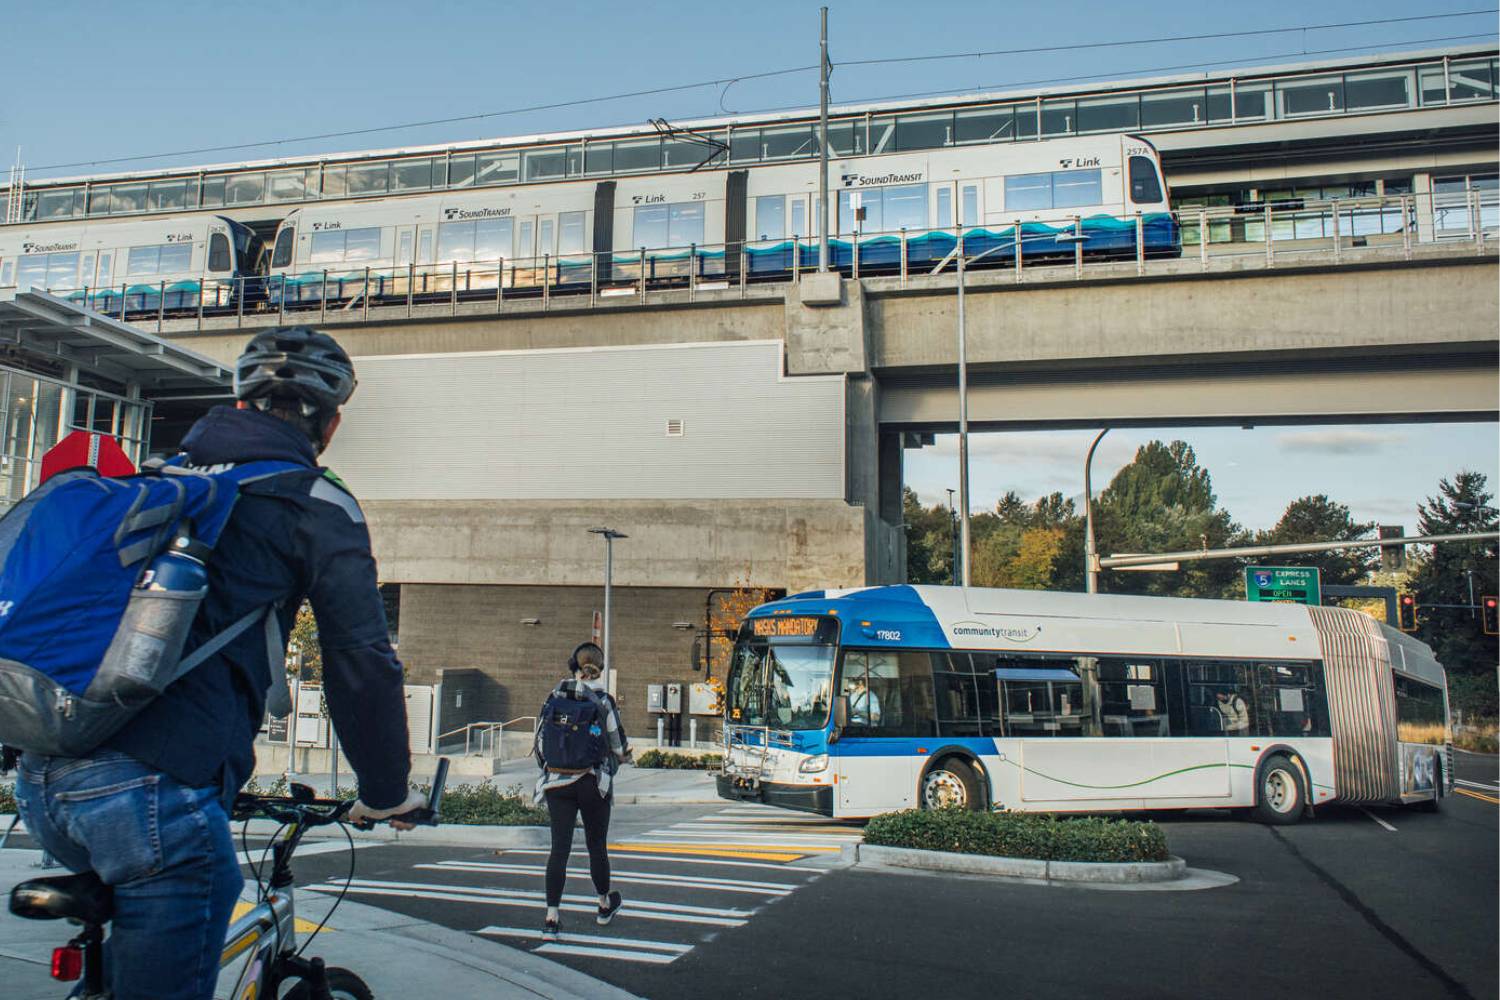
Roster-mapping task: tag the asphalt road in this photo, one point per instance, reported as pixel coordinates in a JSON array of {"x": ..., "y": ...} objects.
[{"x": 736, "y": 901}]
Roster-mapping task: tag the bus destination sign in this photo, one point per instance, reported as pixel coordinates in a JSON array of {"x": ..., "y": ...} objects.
[
  {"x": 801, "y": 626},
  {"x": 1284, "y": 584}
]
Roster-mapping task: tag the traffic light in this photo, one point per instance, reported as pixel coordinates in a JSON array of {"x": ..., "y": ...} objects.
[
  {"x": 1489, "y": 614},
  {"x": 1406, "y": 613}
]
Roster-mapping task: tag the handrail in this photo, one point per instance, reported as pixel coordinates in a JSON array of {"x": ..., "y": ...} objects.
[{"x": 489, "y": 729}]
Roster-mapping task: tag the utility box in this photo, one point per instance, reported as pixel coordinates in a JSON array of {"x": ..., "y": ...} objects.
[
  {"x": 672, "y": 702},
  {"x": 656, "y": 698},
  {"x": 701, "y": 699}
]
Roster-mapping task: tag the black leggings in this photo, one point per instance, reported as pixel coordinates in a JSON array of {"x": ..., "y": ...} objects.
[{"x": 563, "y": 805}]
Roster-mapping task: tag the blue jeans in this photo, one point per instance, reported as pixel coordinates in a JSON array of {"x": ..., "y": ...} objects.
[{"x": 167, "y": 850}]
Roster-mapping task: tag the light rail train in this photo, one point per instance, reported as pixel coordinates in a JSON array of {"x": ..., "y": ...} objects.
[{"x": 858, "y": 702}]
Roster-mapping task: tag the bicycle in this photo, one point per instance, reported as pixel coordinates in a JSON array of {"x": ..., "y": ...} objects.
[{"x": 277, "y": 968}]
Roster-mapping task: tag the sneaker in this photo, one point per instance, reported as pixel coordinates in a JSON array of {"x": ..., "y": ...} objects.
[
  {"x": 607, "y": 913},
  {"x": 550, "y": 930}
]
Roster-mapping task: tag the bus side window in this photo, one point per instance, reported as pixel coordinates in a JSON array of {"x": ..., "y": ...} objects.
[
  {"x": 1288, "y": 700},
  {"x": 890, "y": 693},
  {"x": 218, "y": 252},
  {"x": 1220, "y": 700},
  {"x": 1131, "y": 699}
]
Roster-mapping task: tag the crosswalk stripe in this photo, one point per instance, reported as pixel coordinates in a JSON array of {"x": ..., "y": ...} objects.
[
  {"x": 576, "y": 938},
  {"x": 662, "y": 878},
  {"x": 713, "y": 861},
  {"x": 624, "y": 877},
  {"x": 538, "y": 904},
  {"x": 615, "y": 953},
  {"x": 635, "y": 904},
  {"x": 256, "y": 855}
]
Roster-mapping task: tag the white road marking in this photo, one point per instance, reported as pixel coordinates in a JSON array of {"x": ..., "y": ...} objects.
[
  {"x": 620, "y": 875},
  {"x": 574, "y": 938},
  {"x": 715, "y": 862},
  {"x": 1476, "y": 784},
  {"x": 255, "y": 854},
  {"x": 535, "y": 904},
  {"x": 1377, "y": 819},
  {"x": 613, "y": 953}
]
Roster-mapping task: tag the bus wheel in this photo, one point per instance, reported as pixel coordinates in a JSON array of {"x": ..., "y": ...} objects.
[
  {"x": 1280, "y": 798},
  {"x": 950, "y": 784},
  {"x": 1434, "y": 804}
]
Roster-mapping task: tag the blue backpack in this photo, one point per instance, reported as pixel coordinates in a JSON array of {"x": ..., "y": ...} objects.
[
  {"x": 100, "y": 580},
  {"x": 574, "y": 731}
]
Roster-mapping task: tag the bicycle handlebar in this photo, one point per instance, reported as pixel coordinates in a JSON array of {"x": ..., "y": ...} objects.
[{"x": 302, "y": 808}]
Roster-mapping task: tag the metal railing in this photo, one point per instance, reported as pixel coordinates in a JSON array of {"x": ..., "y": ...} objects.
[
  {"x": 1293, "y": 232},
  {"x": 488, "y": 739}
]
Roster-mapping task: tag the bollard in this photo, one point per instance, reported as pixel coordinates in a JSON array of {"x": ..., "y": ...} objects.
[
  {"x": 661, "y": 726},
  {"x": 693, "y": 733}
]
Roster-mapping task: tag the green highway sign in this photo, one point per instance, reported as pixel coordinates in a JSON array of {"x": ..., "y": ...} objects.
[{"x": 1284, "y": 584}]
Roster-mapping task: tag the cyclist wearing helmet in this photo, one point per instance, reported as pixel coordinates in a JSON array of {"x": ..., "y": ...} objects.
[{"x": 147, "y": 811}]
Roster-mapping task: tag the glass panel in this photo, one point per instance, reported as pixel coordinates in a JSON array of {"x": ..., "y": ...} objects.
[
  {"x": 570, "y": 232},
  {"x": 1074, "y": 188},
  {"x": 403, "y": 248},
  {"x": 411, "y": 175},
  {"x": 637, "y": 155},
  {"x": 1218, "y": 104},
  {"x": 6, "y": 267},
  {"x": 1317, "y": 96},
  {"x": 286, "y": 241},
  {"x": 545, "y": 164},
  {"x": 287, "y": 185},
  {"x": 846, "y": 138},
  {"x": 685, "y": 223},
  {"x": 744, "y": 145},
  {"x": 970, "y": 215},
  {"x": 544, "y": 241},
  {"x": 1220, "y": 701},
  {"x": 362, "y": 244},
  {"x": 106, "y": 268},
  {"x": 770, "y": 217},
  {"x": 1058, "y": 117},
  {"x": 650, "y": 228},
  {"x": 1420, "y": 717},
  {"x": 335, "y": 182},
  {"x": 1471, "y": 81},
  {"x": 456, "y": 242},
  {"x": 62, "y": 270},
  {"x": 1387, "y": 89},
  {"x": 32, "y": 271},
  {"x": 130, "y": 197},
  {"x": 882, "y": 134},
  {"x": 787, "y": 142},
  {"x": 1109, "y": 114},
  {"x": 1131, "y": 699},
  {"x": 369, "y": 178},
  {"x": 889, "y": 692},
  {"x": 244, "y": 189},
  {"x": 1028, "y": 192},
  {"x": 102, "y": 201},
  {"x": 1290, "y": 703},
  {"x": 424, "y": 247},
  {"x": 905, "y": 207},
  {"x": 327, "y": 248},
  {"x": 176, "y": 258},
  {"x": 1433, "y": 89},
  {"x": 944, "y": 207},
  {"x": 173, "y": 194},
  {"x": 679, "y": 153},
  {"x": 799, "y": 216},
  {"x": 1144, "y": 187},
  {"x": 142, "y": 261},
  {"x": 55, "y": 204},
  {"x": 218, "y": 252},
  {"x": 1026, "y": 121},
  {"x": 598, "y": 158},
  {"x": 928, "y": 131},
  {"x": 798, "y": 681},
  {"x": 492, "y": 238},
  {"x": 1173, "y": 107},
  {"x": 1252, "y": 101},
  {"x": 497, "y": 168},
  {"x": 984, "y": 125},
  {"x": 858, "y": 211},
  {"x": 439, "y": 172},
  {"x": 1042, "y": 697},
  {"x": 461, "y": 171}
]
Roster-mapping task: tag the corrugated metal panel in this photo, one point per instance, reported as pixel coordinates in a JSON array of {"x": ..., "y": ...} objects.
[
  {"x": 591, "y": 424},
  {"x": 1361, "y": 704}
]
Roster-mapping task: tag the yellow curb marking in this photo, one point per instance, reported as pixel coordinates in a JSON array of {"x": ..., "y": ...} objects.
[
  {"x": 717, "y": 851},
  {"x": 303, "y": 926},
  {"x": 1477, "y": 795}
]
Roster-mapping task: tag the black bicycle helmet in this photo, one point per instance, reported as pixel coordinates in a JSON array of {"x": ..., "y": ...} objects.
[{"x": 295, "y": 362}]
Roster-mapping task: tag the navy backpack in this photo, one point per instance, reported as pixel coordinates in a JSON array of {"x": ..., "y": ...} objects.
[{"x": 574, "y": 731}]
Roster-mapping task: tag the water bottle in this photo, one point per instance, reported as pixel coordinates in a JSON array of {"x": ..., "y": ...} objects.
[{"x": 143, "y": 655}]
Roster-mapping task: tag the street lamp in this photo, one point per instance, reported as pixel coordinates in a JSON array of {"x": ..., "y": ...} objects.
[
  {"x": 1090, "y": 550},
  {"x": 610, "y": 534},
  {"x": 953, "y": 537}
]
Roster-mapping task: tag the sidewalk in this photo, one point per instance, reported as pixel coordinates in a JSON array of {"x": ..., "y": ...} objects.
[
  {"x": 395, "y": 954},
  {"x": 633, "y": 785}
]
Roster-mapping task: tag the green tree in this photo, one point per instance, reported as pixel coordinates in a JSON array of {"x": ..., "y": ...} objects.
[
  {"x": 929, "y": 545},
  {"x": 304, "y": 641},
  {"x": 1319, "y": 519},
  {"x": 1461, "y": 506},
  {"x": 1163, "y": 501}
]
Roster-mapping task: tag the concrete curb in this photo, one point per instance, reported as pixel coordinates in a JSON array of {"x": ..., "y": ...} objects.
[
  {"x": 1116, "y": 873},
  {"x": 433, "y": 836}
]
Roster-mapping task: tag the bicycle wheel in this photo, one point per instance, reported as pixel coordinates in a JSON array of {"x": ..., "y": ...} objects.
[{"x": 342, "y": 985}]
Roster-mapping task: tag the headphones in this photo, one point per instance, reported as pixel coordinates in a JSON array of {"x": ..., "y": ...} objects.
[{"x": 573, "y": 664}]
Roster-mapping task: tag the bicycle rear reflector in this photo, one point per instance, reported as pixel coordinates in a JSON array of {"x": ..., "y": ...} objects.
[{"x": 67, "y": 963}]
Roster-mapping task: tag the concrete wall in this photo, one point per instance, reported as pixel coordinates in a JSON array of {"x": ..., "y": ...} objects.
[{"x": 448, "y": 628}]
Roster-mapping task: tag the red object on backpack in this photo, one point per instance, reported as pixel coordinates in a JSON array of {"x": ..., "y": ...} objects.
[{"x": 87, "y": 449}]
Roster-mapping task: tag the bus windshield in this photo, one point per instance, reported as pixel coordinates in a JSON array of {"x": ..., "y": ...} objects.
[{"x": 780, "y": 685}]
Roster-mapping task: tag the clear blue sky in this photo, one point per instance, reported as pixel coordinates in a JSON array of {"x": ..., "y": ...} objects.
[
  {"x": 91, "y": 81},
  {"x": 94, "y": 80}
]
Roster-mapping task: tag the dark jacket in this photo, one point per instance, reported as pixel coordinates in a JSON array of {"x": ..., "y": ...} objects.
[{"x": 294, "y": 536}]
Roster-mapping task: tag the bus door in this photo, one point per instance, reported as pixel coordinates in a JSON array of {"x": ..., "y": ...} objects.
[{"x": 877, "y": 760}]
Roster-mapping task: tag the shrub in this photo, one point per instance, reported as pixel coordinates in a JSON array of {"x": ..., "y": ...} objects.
[
  {"x": 486, "y": 805},
  {"x": 1037, "y": 836},
  {"x": 7, "y": 799},
  {"x": 680, "y": 761},
  {"x": 1480, "y": 738}
]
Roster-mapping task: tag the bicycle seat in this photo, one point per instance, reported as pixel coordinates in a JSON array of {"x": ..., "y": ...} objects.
[{"x": 77, "y": 897}]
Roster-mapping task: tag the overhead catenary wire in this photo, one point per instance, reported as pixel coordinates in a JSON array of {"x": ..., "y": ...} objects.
[{"x": 769, "y": 74}]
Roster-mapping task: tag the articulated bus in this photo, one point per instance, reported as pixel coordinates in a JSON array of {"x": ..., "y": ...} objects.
[{"x": 851, "y": 703}]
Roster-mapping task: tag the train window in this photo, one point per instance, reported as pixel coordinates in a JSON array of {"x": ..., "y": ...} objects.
[
  {"x": 368, "y": 178},
  {"x": 984, "y": 125},
  {"x": 1059, "y": 117},
  {"x": 1173, "y": 107},
  {"x": 944, "y": 207},
  {"x": 403, "y": 250},
  {"x": 327, "y": 248},
  {"x": 799, "y": 216},
  {"x": 1144, "y": 187},
  {"x": 106, "y": 268},
  {"x": 924, "y": 131},
  {"x": 638, "y": 155},
  {"x": 362, "y": 244},
  {"x": 175, "y": 258},
  {"x": 285, "y": 241},
  {"x": 1028, "y": 192},
  {"x": 675, "y": 225},
  {"x": 1074, "y": 188},
  {"x": 545, "y": 164},
  {"x": 1109, "y": 114},
  {"x": 244, "y": 189},
  {"x": 218, "y": 253},
  {"x": 787, "y": 142},
  {"x": 970, "y": 214},
  {"x": 770, "y": 217},
  {"x": 497, "y": 168},
  {"x": 888, "y": 209},
  {"x": 545, "y": 244},
  {"x": 424, "y": 247},
  {"x": 6, "y": 268},
  {"x": 570, "y": 233},
  {"x": 492, "y": 238},
  {"x": 411, "y": 175},
  {"x": 460, "y": 171}
]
